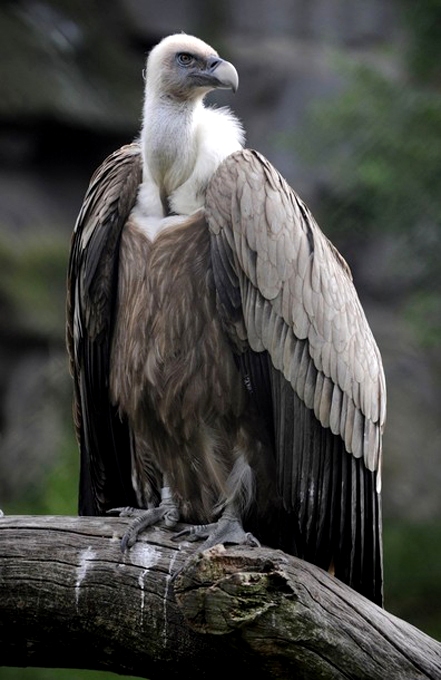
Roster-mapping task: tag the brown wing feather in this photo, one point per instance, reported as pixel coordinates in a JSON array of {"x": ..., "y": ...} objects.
[
  {"x": 284, "y": 288},
  {"x": 103, "y": 438}
]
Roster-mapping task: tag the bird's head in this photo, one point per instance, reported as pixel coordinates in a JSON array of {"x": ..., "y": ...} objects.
[{"x": 182, "y": 67}]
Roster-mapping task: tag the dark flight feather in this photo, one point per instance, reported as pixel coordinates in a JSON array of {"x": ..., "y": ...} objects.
[{"x": 103, "y": 437}]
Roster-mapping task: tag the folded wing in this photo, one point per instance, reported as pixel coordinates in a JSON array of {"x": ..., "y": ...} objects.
[
  {"x": 92, "y": 288},
  {"x": 287, "y": 299}
]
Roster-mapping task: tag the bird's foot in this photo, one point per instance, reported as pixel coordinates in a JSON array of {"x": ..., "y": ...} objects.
[
  {"x": 228, "y": 529},
  {"x": 166, "y": 514}
]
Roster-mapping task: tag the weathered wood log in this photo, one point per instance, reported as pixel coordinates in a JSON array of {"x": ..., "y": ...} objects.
[{"x": 70, "y": 598}]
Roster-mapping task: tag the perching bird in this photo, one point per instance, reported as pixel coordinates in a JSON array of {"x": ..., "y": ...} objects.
[{"x": 225, "y": 374}]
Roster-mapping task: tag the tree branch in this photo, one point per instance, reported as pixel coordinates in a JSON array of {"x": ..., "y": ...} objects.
[{"x": 70, "y": 598}]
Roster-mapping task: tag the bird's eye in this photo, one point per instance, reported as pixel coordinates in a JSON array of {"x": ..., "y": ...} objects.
[{"x": 184, "y": 59}]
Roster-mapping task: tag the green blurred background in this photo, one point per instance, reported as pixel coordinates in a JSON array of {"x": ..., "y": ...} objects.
[{"x": 344, "y": 97}]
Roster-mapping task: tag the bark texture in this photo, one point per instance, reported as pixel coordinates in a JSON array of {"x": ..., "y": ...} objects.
[{"x": 70, "y": 598}]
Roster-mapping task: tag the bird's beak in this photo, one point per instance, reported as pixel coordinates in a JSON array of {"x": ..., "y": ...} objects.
[
  {"x": 218, "y": 74},
  {"x": 223, "y": 73}
]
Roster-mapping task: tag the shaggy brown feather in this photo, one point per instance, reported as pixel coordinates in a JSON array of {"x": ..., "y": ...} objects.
[{"x": 173, "y": 372}]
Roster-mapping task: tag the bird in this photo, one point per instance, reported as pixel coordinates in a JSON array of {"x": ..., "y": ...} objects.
[{"x": 226, "y": 381}]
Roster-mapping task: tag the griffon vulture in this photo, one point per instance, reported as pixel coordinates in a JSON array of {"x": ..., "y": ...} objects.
[{"x": 224, "y": 371}]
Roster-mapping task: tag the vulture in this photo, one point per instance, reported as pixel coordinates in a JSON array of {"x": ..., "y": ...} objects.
[{"x": 226, "y": 379}]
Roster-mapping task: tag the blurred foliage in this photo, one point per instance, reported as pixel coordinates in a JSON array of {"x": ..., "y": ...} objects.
[
  {"x": 33, "y": 281},
  {"x": 412, "y": 574},
  {"x": 59, "y": 493},
  {"x": 64, "y": 40},
  {"x": 382, "y": 139},
  {"x": 32, "y": 295},
  {"x": 423, "y": 20}
]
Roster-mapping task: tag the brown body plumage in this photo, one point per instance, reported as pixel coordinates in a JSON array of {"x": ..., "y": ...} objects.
[
  {"x": 173, "y": 372},
  {"x": 222, "y": 353}
]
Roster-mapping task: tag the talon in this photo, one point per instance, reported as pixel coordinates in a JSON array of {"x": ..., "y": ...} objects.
[
  {"x": 252, "y": 540},
  {"x": 127, "y": 541},
  {"x": 228, "y": 529},
  {"x": 171, "y": 518},
  {"x": 126, "y": 511},
  {"x": 195, "y": 532},
  {"x": 166, "y": 513}
]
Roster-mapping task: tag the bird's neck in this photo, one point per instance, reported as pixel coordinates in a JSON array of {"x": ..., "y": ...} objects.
[
  {"x": 169, "y": 140},
  {"x": 183, "y": 144}
]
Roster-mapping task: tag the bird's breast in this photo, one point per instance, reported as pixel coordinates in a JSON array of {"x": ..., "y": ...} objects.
[
  {"x": 173, "y": 373},
  {"x": 169, "y": 351}
]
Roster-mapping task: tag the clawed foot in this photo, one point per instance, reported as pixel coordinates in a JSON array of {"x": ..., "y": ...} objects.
[
  {"x": 228, "y": 529},
  {"x": 166, "y": 513}
]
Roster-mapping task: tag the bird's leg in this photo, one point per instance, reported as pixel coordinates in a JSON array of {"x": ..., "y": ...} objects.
[
  {"x": 227, "y": 529},
  {"x": 166, "y": 513}
]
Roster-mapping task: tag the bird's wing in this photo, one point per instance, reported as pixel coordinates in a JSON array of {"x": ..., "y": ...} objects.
[
  {"x": 304, "y": 345},
  {"x": 92, "y": 286}
]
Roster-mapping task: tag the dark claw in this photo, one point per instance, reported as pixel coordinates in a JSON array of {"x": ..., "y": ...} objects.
[
  {"x": 195, "y": 532},
  {"x": 126, "y": 511},
  {"x": 225, "y": 530},
  {"x": 143, "y": 519}
]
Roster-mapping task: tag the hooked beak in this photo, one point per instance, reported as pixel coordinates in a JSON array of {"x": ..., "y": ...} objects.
[
  {"x": 224, "y": 73},
  {"x": 218, "y": 74}
]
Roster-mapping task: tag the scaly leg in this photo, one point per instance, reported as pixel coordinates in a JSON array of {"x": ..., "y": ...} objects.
[
  {"x": 227, "y": 529},
  {"x": 166, "y": 513}
]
